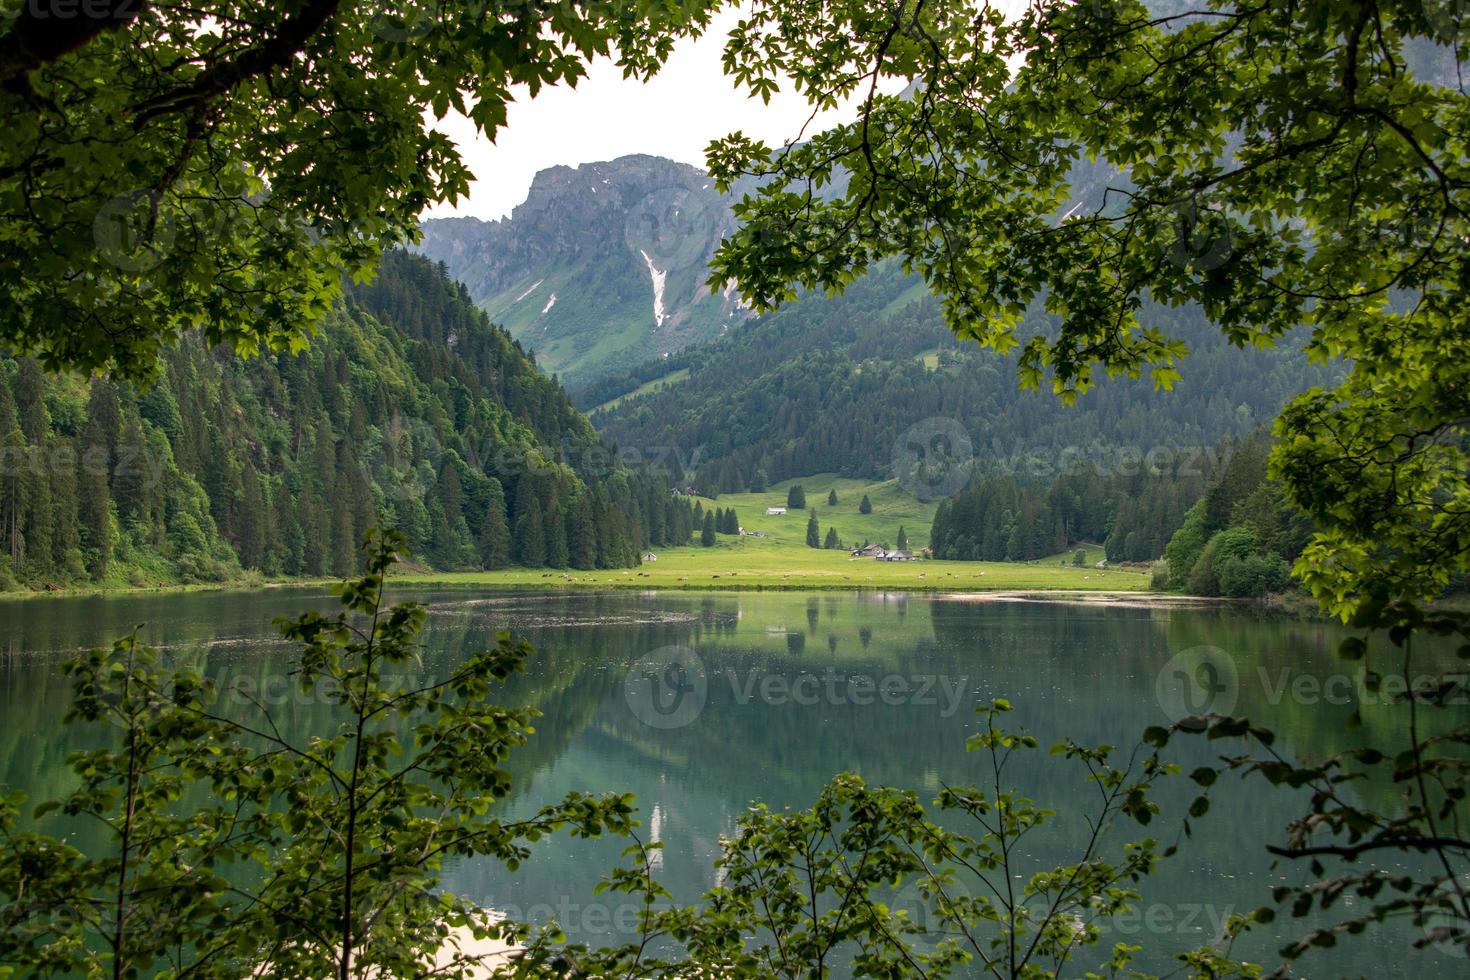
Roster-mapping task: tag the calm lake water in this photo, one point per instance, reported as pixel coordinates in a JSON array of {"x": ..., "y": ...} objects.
[{"x": 778, "y": 692}]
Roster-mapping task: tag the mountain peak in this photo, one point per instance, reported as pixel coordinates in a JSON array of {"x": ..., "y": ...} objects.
[{"x": 623, "y": 245}]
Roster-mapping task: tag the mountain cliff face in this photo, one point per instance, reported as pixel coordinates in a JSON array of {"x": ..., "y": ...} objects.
[{"x": 601, "y": 268}]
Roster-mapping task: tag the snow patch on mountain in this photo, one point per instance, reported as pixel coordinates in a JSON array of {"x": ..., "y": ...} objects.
[
  {"x": 549, "y": 304},
  {"x": 659, "y": 278},
  {"x": 529, "y": 291}
]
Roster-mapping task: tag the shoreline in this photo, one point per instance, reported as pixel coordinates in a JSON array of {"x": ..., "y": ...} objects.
[
  {"x": 938, "y": 590},
  {"x": 1100, "y": 597}
]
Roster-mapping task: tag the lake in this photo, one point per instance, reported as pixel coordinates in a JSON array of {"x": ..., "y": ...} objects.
[{"x": 777, "y": 692}]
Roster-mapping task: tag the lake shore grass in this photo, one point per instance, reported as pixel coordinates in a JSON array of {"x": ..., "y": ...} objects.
[
  {"x": 773, "y": 554},
  {"x": 774, "y": 557},
  {"x": 752, "y": 564}
]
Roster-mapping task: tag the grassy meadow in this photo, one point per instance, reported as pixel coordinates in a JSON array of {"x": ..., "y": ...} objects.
[{"x": 781, "y": 559}]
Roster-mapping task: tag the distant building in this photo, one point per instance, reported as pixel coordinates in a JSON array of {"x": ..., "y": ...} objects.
[
  {"x": 650, "y": 557},
  {"x": 775, "y": 511},
  {"x": 897, "y": 556},
  {"x": 870, "y": 551}
]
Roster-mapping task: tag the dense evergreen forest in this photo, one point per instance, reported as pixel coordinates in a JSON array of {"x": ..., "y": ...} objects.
[
  {"x": 1241, "y": 537},
  {"x": 409, "y": 409},
  {"x": 999, "y": 517},
  {"x": 1226, "y": 533},
  {"x": 830, "y": 385}
]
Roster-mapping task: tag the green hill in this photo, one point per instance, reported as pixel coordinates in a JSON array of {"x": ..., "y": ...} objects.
[{"x": 410, "y": 409}]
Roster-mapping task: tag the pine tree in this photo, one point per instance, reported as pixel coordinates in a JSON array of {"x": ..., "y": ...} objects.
[
  {"x": 12, "y": 494},
  {"x": 250, "y": 520},
  {"x": 133, "y": 475},
  {"x": 903, "y": 539},
  {"x": 30, "y": 398},
  {"x": 707, "y": 536},
  {"x": 831, "y": 540},
  {"x": 832, "y": 497},
  {"x": 94, "y": 505},
  {"x": 13, "y": 458},
  {"x": 866, "y": 507},
  {"x": 795, "y": 497},
  {"x": 315, "y": 551},
  {"x": 494, "y": 530},
  {"x": 582, "y": 535},
  {"x": 66, "y": 543},
  {"x": 344, "y": 546},
  {"x": 557, "y": 554},
  {"x": 530, "y": 535},
  {"x": 288, "y": 550},
  {"x": 813, "y": 532}
]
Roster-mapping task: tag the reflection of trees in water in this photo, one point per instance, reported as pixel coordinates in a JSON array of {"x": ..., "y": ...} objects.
[{"x": 1087, "y": 672}]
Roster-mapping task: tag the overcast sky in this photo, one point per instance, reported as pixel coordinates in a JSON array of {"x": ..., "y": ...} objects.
[{"x": 688, "y": 103}]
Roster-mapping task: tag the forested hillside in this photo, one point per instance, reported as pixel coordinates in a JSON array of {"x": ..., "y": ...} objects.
[
  {"x": 1000, "y": 518},
  {"x": 830, "y": 385},
  {"x": 410, "y": 409}
]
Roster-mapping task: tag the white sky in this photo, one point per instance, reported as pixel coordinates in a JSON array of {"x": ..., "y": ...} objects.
[{"x": 675, "y": 115}]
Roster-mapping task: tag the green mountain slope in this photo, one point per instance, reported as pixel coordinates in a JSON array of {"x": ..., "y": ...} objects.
[
  {"x": 839, "y": 385},
  {"x": 409, "y": 409}
]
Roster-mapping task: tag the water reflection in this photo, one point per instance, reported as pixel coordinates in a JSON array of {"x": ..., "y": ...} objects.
[{"x": 795, "y": 688}]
